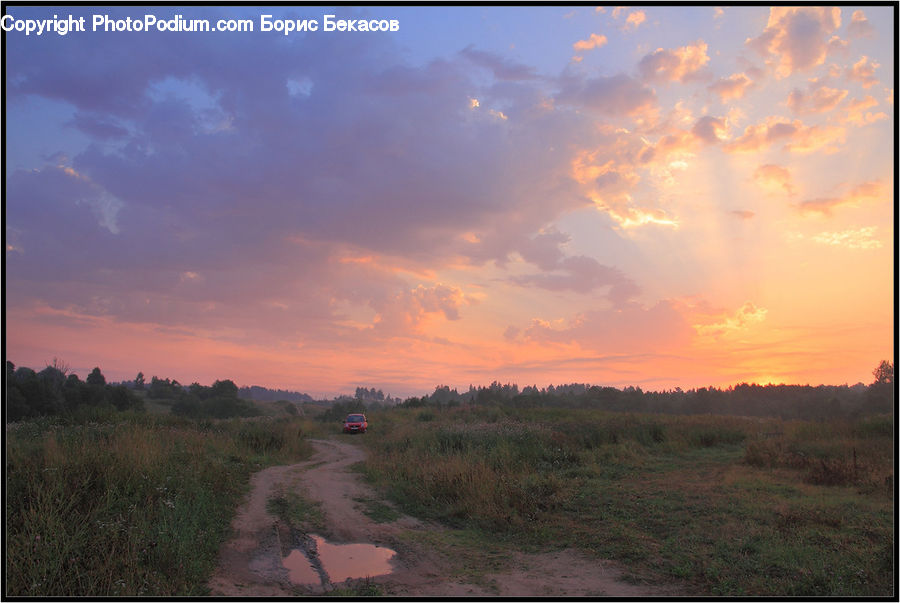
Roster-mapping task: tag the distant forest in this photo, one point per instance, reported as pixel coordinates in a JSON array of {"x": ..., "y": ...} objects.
[
  {"x": 55, "y": 390},
  {"x": 783, "y": 401},
  {"x": 264, "y": 394}
]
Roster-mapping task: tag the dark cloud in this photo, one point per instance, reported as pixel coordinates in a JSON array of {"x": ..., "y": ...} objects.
[
  {"x": 228, "y": 175},
  {"x": 502, "y": 68},
  {"x": 616, "y": 95},
  {"x": 707, "y": 129}
]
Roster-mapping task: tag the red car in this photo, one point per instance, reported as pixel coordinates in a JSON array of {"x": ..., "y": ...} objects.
[{"x": 355, "y": 423}]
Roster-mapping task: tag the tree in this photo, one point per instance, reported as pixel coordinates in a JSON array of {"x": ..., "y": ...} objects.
[
  {"x": 139, "y": 381},
  {"x": 884, "y": 373},
  {"x": 880, "y": 394},
  {"x": 224, "y": 389},
  {"x": 96, "y": 377}
]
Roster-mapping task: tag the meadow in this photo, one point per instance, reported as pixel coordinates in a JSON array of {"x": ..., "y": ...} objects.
[
  {"x": 138, "y": 503},
  {"x": 719, "y": 505},
  {"x": 129, "y": 504}
]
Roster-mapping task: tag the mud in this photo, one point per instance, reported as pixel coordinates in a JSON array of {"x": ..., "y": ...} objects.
[{"x": 266, "y": 558}]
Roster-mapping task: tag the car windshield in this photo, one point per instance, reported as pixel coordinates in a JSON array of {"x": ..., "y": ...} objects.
[{"x": 355, "y": 419}]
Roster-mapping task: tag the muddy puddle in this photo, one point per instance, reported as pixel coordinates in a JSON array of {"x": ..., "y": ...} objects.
[{"x": 323, "y": 562}]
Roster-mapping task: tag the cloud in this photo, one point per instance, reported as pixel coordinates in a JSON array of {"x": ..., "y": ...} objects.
[
  {"x": 682, "y": 64},
  {"x": 734, "y": 87},
  {"x": 855, "y": 112},
  {"x": 863, "y": 71},
  {"x": 635, "y": 19},
  {"x": 710, "y": 129},
  {"x": 859, "y": 26},
  {"x": 608, "y": 173},
  {"x": 774, "y": 179},
  {"x": 616, "y": 95},
  {"x": 818, "y": 99},
  {"x": 406, "y": 312},
  {"x": 627, "y": 329},
  {"x": 503, "y": 69},
  {"x": 376, "y": 157},
  {"x": 860, "y": 193},
  {"x": 594, "y": 41},
  {"x": 828, "y": 139},
  {"x": 745, "y": 317},
  {"x": 797, "y": 38},
  {"x": 582, "y": 274},
  {"x": 796, "y": 137},
  {"x": 861, "y": 238}
]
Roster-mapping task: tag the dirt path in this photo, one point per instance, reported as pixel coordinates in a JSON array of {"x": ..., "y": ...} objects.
[{"x": 251, "y": 564}]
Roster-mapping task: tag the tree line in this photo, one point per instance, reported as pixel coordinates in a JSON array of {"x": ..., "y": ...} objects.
[
  {"x": 783, "y": 401},
  {"x": 55, "y": 391}
]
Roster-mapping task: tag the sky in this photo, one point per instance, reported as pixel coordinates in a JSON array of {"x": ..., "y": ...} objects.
[{"x": 660, "y": 196}]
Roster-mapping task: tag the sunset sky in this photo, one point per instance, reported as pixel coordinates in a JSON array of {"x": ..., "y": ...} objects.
[{"x": 652, "y": 196}]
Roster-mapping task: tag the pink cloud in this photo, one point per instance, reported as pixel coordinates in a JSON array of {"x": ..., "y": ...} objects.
[
  {"x": 627, "y": 329},
  {"x": 679, "y": 65},
  {"x": 856, "y": 112},
  {"x": 733, "y": 87},
  {"x": 774, "y": 178},
  {"x": 818, "y": 99},
  {"x": 859, "y": 26},
  {"x": 796, "y": 136},
  {"x": 864, "y": 192},
  {"x": 797, "y": 38},
  {"x": 863, "y": 71}
]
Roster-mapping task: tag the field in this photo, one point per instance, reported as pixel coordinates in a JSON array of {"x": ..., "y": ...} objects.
[
  {"x": 132, "y": 504},
  {"x": 723, "y": 506},
  {"x": 129, "y": 505}
]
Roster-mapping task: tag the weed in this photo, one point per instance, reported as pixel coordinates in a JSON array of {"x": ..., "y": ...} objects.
[
  {"x": 377, "y": 511},
  {"x": 728, "y": 506},
  {"x": 135, "y": 507}
]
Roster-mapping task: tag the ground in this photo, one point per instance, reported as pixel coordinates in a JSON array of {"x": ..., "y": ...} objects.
[{"x": 252, "y": 562}]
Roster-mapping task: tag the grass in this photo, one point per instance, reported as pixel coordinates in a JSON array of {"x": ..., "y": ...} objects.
[
  {"x": 722, "y": 506},
  {"x": 377, "y": 511},
  {"x": 359, "y": 588},
  {"x": 129, "y": 505},
  {"x": 297, "y": 511}
]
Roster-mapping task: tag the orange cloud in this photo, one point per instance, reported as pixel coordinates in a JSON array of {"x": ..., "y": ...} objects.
[
  {"x": 774, "y": 178},
  {"x": 863, "y": 71},
  {"x": 733, "y": 87},
  {"x": 858, "y": 194},
  {"x": 632, "y": 21},
  {"x": 679, "y": 65},
  {"x": 635, "y": 19},
  {"x": 745, "y": 317},
  {"x": 796, "y": 137},
  {"x": 594, "y": 41},
  {"x": 815, "y": 138},
  {"x": 856, "y": 113}
]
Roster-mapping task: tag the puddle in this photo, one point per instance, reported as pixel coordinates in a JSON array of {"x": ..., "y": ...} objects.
[
  {"x": 339, "y": 561},
  {"x": 299, "y": 569}
]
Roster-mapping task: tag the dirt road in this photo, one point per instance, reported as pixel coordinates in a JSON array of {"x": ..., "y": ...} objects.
[{"x": 252, "y": 564}]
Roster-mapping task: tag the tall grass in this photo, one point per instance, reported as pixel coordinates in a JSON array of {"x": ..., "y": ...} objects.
[
  {"x": 129, "y": 505},
  {"x": 836, "y": 453},
  {"x": 717, "y": 503}
]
